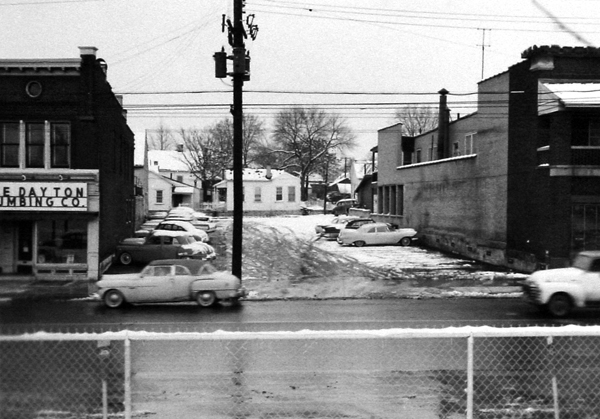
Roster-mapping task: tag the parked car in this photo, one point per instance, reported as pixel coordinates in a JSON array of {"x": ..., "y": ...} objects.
[
  {"x": 376, "y": 234},
  {"x": 204, "y": 224},
  {"x": 180, "y": 210},
  {"x": 157, "y": 215},
  {"x": 164, "y": 245},
  {"x": 357, "y": 222},
  {"x": 147, "y": 227},
  {"x": 181, "y": 225},
  {"x": 330, "y": 231},
  {"x": 196, "y": 244},
  {"x": 560, "y": 290},
  {"x": 171, "y": 281},
  {"x": 343, "y": 206}
]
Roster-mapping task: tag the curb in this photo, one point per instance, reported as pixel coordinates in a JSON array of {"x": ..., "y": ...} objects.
[{"x": 70, "y": 290}]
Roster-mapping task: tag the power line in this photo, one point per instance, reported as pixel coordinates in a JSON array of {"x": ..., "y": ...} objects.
[
  {"x": 37, "y": 3},
  {"x": 405, "y": 23},
  {"x": 446, "y": 14}
]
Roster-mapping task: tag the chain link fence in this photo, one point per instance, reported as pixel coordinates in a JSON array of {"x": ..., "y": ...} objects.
[{"x": 467, "y": 372}]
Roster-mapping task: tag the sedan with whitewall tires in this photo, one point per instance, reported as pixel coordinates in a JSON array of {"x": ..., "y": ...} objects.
[
  {"x": 377, "y": 234},
  {"x": 173, "y": 280}
]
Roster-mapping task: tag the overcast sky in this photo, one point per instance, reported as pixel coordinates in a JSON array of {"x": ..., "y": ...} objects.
[{"x": 347, "y": 52}]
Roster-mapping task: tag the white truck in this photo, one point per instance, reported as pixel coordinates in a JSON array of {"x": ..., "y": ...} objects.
[{"x": 560, "y": 290}]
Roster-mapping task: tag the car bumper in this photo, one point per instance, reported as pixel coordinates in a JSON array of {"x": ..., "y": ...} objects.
[{"x": 232, "y": 294}]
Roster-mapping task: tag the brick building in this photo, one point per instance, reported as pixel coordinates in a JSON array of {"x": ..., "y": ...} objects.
[
  {"x": 516, "y": 183},
  {"x": 66, "y": 168}
]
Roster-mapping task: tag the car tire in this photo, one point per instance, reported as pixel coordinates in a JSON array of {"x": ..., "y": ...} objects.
[
  {"x": 206, "y": 298},
  {"x": 560, "y": 305},
  {"x": 125, "y": 258},
  {"x": 113, "y": 299},
  {"x": 405, "y": 241},
  {"x": 359, "y": 243}
]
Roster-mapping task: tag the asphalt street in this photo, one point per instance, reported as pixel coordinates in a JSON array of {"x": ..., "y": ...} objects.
[{"x": 91, "y": 316}]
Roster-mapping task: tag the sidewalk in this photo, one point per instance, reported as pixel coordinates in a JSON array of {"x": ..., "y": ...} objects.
[
  {"x": 27, "y": 289},
  {"x": 30, "y": 290}
]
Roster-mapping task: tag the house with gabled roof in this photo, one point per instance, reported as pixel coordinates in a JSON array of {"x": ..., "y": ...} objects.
[
  {"x": 266, "y": 192},
  {"x": 171, "y": 182}
]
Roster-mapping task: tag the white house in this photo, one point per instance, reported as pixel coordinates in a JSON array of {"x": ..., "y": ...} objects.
[
  {"x": 265, "y": 191},
  {"x": 173, "y": 183}
]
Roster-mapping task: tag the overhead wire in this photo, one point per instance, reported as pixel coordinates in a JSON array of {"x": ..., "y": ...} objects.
[
  {"x": 39, "y": 2},
  {"x": 420, "y": 14},
  {"x": 477, "y": 22}
]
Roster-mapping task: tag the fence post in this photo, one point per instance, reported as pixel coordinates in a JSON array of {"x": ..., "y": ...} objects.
[
  {"x": 556, "y": 407},
  {"x": 127, "y": 373},
  {"x": 470, "y": 376}
]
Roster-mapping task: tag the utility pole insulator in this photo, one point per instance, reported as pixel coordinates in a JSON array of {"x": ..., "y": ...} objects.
[{"x": 220, "y": 64}]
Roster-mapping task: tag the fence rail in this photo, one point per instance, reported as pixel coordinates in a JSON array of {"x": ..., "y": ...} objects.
[{"x": 472, "y": 372}]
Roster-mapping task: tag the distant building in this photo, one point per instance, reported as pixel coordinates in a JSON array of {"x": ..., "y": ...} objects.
[
  {"x": 175, "y": 184},
  {"x": 265, "y": 192},
  {"x": 66, "y": 168},
  {"x": 515, "y": 184}
]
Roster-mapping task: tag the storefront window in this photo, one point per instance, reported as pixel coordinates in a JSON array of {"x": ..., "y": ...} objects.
[{"x": 62, "y": 241}]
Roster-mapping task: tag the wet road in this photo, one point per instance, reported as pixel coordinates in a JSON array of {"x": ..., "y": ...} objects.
[{"x": 80, "y": 316}]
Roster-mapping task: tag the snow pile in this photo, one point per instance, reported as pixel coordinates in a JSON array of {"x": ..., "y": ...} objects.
[{"x": 282, "y": 258}]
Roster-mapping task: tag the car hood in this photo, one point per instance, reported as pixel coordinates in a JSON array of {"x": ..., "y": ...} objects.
[{"x": 555, "y": 275}]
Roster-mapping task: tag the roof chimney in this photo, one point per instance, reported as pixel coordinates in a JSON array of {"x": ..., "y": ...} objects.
[
  {"x": 442, "y": 151},
  {"x": 88, "y": 51}
]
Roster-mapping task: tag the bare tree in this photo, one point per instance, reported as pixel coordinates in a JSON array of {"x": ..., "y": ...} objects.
[
  {"x": 206, "y": 156},
  {"x": 253, "y": 137},
  {"x": 417, "y": 119},
  {"x": 305, "y": 137},
  {"x": 209, "y": 151},
  {"x": 160, "y": 138}
]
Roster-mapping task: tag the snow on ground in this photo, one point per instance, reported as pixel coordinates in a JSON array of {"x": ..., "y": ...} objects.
[
  {"x": 282, "y": 258},
  {"x": 401, "y": 260}
]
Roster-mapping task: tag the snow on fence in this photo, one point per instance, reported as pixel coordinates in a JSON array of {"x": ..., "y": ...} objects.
[{"x": 470, "y": 372}]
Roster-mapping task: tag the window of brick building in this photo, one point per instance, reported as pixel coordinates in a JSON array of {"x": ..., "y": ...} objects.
[
  {"x": 9, "y": 144},
  {"x": 45, "y": 144}
]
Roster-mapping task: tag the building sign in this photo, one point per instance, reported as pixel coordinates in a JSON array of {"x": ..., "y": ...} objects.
[{"x": 43, "y": 196}]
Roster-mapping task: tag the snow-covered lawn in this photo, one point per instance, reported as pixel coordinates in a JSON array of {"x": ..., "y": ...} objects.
[{"x": 283, "y": 259}]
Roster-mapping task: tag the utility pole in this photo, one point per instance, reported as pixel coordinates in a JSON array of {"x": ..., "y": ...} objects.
[
  {"x": 483, "y": 45},
  {"x": 238, "y": 137},
  {"x": 241, "y": 72}
]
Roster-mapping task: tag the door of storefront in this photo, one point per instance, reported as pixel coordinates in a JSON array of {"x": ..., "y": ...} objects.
[
  {"x": 24, "y": 247},
  {"x": 585, "y": 227}
]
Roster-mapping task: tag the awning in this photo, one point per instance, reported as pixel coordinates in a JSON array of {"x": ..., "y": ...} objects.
[
  {"x": 183, "y": 190},
  {"x": 554, "y": 97}
]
